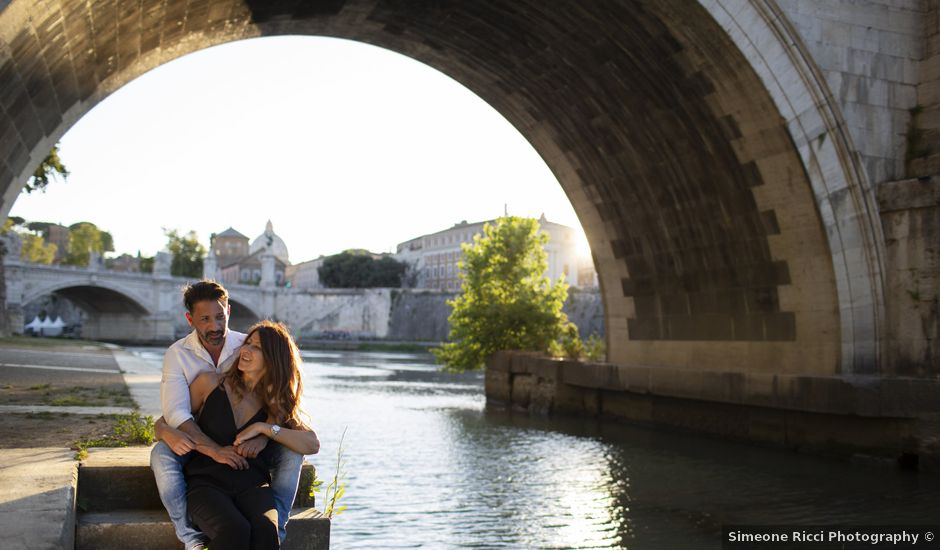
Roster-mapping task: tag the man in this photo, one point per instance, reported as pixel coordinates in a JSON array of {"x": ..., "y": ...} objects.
[{"x": 211, "y": 346}]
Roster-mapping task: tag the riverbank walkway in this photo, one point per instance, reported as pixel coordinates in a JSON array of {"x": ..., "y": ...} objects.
[{"x": 38, "y": 485}]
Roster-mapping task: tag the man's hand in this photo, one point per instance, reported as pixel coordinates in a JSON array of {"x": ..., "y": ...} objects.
[
  {"x": 251, "y": 447},
  {"x": 258, "y": 428},
  {"x": 227, "y": 455},
  {"x": 178, "y": 441}
]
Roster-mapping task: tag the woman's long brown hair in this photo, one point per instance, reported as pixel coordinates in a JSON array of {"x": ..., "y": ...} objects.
[{"x": 280, "y": 386}]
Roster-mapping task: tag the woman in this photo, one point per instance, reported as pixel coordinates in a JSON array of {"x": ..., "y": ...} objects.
[{"x": 258, "y": 395}]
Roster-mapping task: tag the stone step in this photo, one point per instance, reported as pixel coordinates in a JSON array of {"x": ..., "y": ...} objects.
[
  {"x": 121, "y": 479},
  {"x": 151, "y": 530}
]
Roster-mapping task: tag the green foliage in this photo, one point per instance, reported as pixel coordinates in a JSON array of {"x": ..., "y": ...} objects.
[
  {"x": 571, "y": 346},
  {"x": 595, "y": 349},
  {"x": 51, "y": 166},
  {"x": 35, "y": 250},
  {"x": 188, "y": 253},
  {"x": 358, "y": 269},
  {"x": 84, "y": 238},
  {"x": 571, "y": 342},
  {"x": 128, "y": 429},
  {"x": 135, "y": 429},
  {"x": 146, "y": 263},
  {"x": 38, "y": 227},
  {"x": 506, "y": 300},
  {"x": 335, "y": 490}
]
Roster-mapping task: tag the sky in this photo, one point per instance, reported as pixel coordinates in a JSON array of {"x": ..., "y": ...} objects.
[{"x": 340, "y": 144}]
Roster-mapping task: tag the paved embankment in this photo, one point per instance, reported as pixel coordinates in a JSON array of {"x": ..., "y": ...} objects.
[
  {"x": 37, "y": 498},
  {"x": 38, "y": 485}
]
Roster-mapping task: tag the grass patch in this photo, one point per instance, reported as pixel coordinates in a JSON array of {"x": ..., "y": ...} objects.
[
  {"x": 128, "y": 429},
  {"x": 83, "y": 396}
]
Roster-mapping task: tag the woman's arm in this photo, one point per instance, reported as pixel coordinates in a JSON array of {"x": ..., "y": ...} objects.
[
  {"x": 300, "y": 440},
  {"x": 199, "y": 391}
]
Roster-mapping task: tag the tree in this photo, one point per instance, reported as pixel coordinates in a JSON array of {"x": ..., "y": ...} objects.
[
  {"x": 51, "y": 166},
  {"x": 506, "y": 301},
  {"x": 187, "y": 251},
  {"x": 84, "y": 238},
  {"x": 146, "y": 263},
  {"x": 358, "y": 269},
  {"x": 36, "y": 250}
]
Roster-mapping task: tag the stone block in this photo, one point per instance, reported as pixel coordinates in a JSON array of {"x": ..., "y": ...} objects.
[
  {"x": 767, "y": 426},
  {"x": 498, "y": 385},
  {"x": 570, "y": 399},
  {"x": 627, "y": 406},
  {"x": 542, "y": 395},
  {"x": 521, "y": 392},
  {"x": 633, "y": 379}
]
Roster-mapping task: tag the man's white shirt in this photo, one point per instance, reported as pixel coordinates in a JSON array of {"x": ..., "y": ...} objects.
[{"x": 182, "y": 363}]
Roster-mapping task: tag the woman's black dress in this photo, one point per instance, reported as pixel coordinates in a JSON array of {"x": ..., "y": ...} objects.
[{"x": 235, "y": 508}]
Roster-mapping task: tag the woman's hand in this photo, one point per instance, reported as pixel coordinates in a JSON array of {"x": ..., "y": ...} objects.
[
  {"x": 251, "y": 447},
  {"x": 258, "y": 428},
  {"x": 227, "y": 455}
]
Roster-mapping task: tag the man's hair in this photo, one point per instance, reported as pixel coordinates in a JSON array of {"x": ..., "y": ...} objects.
[{"x": 201, "y": 291}]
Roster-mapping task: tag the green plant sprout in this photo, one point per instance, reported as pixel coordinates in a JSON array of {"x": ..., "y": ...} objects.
[{"x": 335, "y": 490}]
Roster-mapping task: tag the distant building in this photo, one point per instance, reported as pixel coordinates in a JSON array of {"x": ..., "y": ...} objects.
[
  {"x": 305, "y": 275},
  {"x": 229, "y": 245},
  {"x": 124, "y": 262},
  {"x": 432, "y": 258},
  {"x": 58, "y": 235},
  {"x": 240, "y": 262}
]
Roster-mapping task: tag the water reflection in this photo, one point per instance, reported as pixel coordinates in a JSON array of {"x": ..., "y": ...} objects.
[{"x": 430, "y": 466}]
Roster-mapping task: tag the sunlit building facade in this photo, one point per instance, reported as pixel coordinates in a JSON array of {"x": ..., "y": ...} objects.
[{"x": 432, "y": 258}]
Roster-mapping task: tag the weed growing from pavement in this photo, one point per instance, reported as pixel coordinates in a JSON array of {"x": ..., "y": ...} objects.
[{"x": 128, "y": 429}]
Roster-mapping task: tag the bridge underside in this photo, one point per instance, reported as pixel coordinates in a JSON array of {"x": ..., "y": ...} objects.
[
  {"x": 242, "y": 316},
  {"x": 713, "y": 252},
  {"x": 112, "y": 316}
]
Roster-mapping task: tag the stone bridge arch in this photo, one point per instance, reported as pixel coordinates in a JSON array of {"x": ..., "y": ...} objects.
[
  {"x": 92, "y": 297},
  {"x": 729, "y": 218},
  {"x": 244, "y": 313}
]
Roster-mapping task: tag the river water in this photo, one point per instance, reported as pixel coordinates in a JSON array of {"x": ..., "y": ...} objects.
[{"x": 428, "y": 465}]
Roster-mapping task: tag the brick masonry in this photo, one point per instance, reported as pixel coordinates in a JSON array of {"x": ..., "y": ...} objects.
[{"x": 720, "y": 154}]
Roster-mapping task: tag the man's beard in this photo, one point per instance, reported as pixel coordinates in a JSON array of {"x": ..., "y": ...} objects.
[{"x": 214, "y": 338}]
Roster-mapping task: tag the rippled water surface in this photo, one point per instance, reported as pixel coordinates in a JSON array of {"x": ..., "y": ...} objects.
[{"x": 429, "y": 466}]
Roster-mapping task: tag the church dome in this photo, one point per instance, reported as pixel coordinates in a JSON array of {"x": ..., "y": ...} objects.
[{"x": 272, "y": 242}]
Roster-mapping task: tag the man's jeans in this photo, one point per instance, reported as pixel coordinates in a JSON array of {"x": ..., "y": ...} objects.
[{"x": 167, "y": 468}]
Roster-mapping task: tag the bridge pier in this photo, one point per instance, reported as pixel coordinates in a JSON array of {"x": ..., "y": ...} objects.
[{"x": 910, "y": 214}]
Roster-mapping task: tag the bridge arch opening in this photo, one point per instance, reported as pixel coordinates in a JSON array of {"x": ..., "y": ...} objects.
[
  {"x": 94, "y": 312},
  {"x": 242, "y": 316},
  {"x": 712, "y": 244}
]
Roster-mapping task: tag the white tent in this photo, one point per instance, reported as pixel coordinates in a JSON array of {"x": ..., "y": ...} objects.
[
  {"x": 33, "y": 325},
  {"x": 51, "y": 328}
]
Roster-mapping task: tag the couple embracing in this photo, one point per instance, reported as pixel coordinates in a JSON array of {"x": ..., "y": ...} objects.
[{"x": 231, "y": 441}]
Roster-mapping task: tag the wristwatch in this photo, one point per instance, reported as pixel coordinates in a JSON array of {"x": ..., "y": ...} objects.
[{"x": 275, "y": 429}]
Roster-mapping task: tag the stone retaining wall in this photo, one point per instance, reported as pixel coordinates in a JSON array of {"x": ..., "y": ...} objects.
[{"x": 845, "y": 416}]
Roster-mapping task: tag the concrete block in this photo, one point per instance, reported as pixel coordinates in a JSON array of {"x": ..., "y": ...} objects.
[
  {"x": 542, "y": 395},
  {"x": 627, "y": 406},
  {"x": 152, "y": 530},
  {"x": 521, "y": 391},
  {"x": 121, "y": 479},
  {"x": 37, "y": 508},
  {"x": 498, "y": 385}
]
